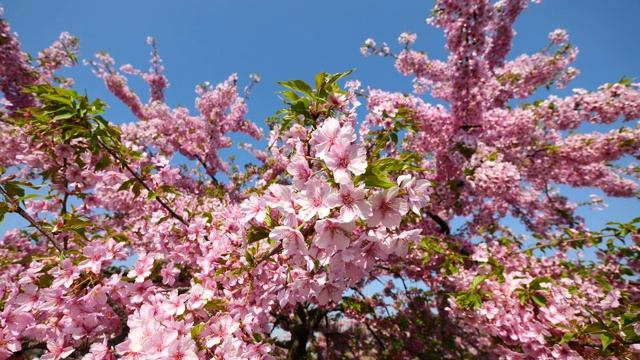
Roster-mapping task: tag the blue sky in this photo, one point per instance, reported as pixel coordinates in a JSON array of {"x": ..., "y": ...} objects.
[{"x": 282, "y": 40}]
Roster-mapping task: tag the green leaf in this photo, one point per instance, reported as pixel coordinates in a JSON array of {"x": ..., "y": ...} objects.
[
  {"x": 27, "y": 197},
  {"x": 320, "y": 79},
  {"x": 302, "y": 107},
  {"x": 477, "y": 281},
  {"x": 298, "y": 85},
  {"x": 539, "y": 299},
  {"x": 63, "y": 116},
  {"x": 392, "y": 164},
  {"x": 152, "y": 195},
  {"x": 394, "y": 138},
  {"x": 103, "y": 163},
  {"x": 269, "y": 221},
  {"x": 13, "y": 190},
  {"x": 56, "y": 98},
  {"x": 136, "y": 189},
  {"x": 595, "y": 328},
  {"x": 126, "y": 185},
  {"x": 147, "y": 169},
  {"x": 379, "y": 180},
  {"x": 216, "y": 304},
  {"x": 121, "y": 238},
  {"x": 606, "y": 339},
  {"x": 567, "y": 337},
  {"x": 468, "y": 300},
  {"x": 168, "y": 189},
  {"x": 250, "y": 259},
  {"x": 535, "y": 283},
  {"x": 339, "y": 76},
  {"x": 196, "y": 330},
  {"x": 257, "y": 233},
  {"x": 291, "y": 95},
  {"x": 45, "y": 281}
]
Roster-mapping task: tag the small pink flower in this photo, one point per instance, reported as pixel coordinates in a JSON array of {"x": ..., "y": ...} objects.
[
  {"x": 65, "y": 274},
  {"x": 328, "y": 134},
  {"x": 387, "y": 208},
  {"x": 299, "y": 169},
  {"x": 292, "y": 240},
  {"x": 332, "y": 232},
  {"x": 351, "y": 201},
  {"x": 611, "y": 300},
  {"x": 57, "y": 350},
  {"x": 142, "y": 268},
  {"x": 313, "y": 200},
  {"x": 253, "y": 208},
  {"x": 345, "y": 158},
  {"x": 407, "y": 38}
]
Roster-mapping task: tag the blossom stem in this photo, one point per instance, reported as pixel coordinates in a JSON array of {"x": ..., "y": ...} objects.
[
  {"x": 139, "y": 179},
  {"x": 17, "y": 209}
]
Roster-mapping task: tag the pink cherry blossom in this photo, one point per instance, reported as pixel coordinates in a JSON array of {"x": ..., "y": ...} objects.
[
  {"x": 333, "y": 233},
  {"x": 292, "y": 240},
  {"x": 313, "y": 200},
  {"x": 387, "y": 208},
  {"x": 344, "y": 159},
  {"x": 57, "y": 350}
]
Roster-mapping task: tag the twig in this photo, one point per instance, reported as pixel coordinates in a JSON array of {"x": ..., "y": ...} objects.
[
  {"x": 444, "y": 227},
  {"x": 122, "y": 316},
  {"x": 139, "y": 179},
  {"x": 32, "y": 221},
  {"x": 206, "y": 169},
  {"x": 7, "y": 178},
  {"x": 375, "y": 336},
  {"x": 565, "y": 241},
  {"x": 275, "y": 250}
]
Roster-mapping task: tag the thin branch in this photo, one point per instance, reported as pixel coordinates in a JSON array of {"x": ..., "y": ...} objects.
[
  {"x": 206, "y": 169},
  {"x": 7, "y": 178},
  {"x": 122, "y": 316},
  {"x": 566, "y": 241},
  {"x": 444, "y": 227},
  {"x": 139, "y": 179},
  {"x": 274, "y": 251},
  {"x": 375, "y": 336},
  {"x": 17, "y": 209}
]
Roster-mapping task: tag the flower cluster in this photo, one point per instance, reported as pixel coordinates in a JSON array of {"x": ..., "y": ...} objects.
[{"x": 411, "y": 195}]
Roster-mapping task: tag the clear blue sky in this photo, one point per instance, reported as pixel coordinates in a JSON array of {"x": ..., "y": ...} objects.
[{"x": 282, "y": 40}]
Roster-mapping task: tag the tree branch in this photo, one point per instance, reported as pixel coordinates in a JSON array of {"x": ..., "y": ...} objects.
[
  {"x": 375, "y": 336},
  {"x": 122, "y": 316},
  {"x": 274, "y": 251},
  {"x": 444, "y": 227},
  {"x": 139, "y": 179},
  {"x": 17, "y": 209}
]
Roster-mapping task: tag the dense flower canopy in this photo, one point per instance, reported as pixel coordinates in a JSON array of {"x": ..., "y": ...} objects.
[{"x": 277, "y": 261}]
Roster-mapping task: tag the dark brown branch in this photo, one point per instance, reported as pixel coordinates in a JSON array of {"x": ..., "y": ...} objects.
[
  {"x": 17, "y": 209},
  {"x": 122, "y": 316},
  {"x": 375, "y": 336},
  {"x": 274, "y": 251},
  {"x": 28, "y": 349},
  {"x": 444, "y": 227},
  {"x": 206, "y": 169},
  {"x": 139, "y": 179}
]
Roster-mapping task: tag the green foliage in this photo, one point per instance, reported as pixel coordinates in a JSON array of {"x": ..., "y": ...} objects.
[
  {"x": 378, "y": 171},
  {"x": 307, "y": 104}
]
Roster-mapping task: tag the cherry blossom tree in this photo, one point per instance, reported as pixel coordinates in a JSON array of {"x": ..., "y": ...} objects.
[{"x": 281, "y": 260}]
